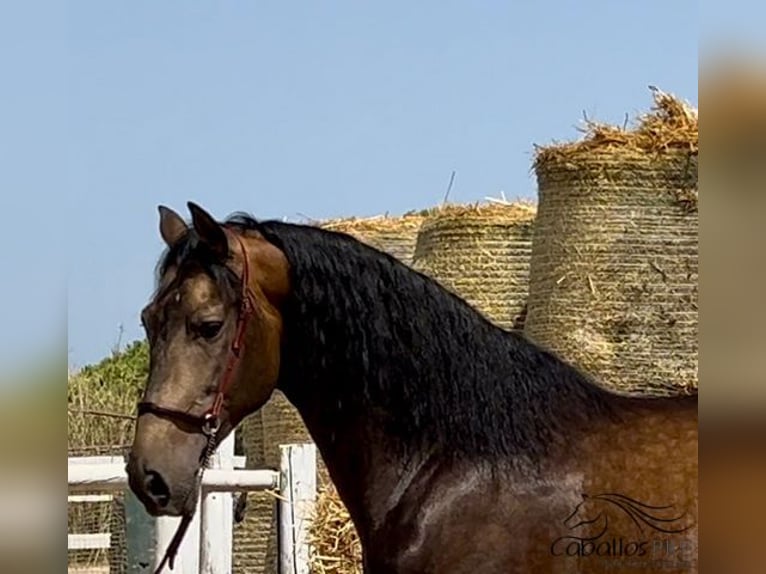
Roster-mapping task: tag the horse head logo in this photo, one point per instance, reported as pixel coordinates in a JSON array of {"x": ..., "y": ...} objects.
[{"x": 592, "y": 515}]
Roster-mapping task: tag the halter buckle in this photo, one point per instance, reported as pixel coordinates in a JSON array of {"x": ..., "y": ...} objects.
[{"x": 210, "y": 425}]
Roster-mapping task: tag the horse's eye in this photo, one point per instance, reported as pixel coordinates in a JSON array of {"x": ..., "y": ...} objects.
[{"x": 209, "y": 329}]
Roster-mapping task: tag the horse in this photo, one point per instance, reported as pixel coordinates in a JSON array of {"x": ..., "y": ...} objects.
[{"x": 456, "y": 446}]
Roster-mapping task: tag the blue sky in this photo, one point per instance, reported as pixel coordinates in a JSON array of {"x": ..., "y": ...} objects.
[{"x": 287, "y": 109}]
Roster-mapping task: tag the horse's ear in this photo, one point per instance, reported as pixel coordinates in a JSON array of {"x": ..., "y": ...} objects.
[
  {"x": 209, "y": 230},
  {"x": 172, "y": 227}
]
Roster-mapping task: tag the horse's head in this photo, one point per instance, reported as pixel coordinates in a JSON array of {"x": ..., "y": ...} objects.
[
  {"x": 586, "y": 513},
  {"x": 214, "y": 330}
]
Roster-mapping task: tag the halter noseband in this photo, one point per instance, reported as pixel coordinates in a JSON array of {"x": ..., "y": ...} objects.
[{"x": 209, "y": 421}]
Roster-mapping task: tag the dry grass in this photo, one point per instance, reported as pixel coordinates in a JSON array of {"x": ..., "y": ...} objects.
[
  {"x": 335, "y": 546},
  {"x": 672, "y": 124},
  {"x": 394, "y": 235},
  {"x": 375, "y": 223},
  {"x": 520, "y": 210},
  {"x": 101, "y": 402}
]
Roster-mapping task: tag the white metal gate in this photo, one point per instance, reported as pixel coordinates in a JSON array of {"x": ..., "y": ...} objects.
[{"x": 207, "y": 546}]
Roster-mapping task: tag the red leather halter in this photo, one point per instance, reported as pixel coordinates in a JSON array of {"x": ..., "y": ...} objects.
[{"x": 209, "y": 421}]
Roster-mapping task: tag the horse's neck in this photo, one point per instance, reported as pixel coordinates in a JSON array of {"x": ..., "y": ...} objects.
[{"x": 368, "y": 475}]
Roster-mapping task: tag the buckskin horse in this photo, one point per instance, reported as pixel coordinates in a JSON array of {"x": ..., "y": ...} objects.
[{"x": 457, "y": 446}]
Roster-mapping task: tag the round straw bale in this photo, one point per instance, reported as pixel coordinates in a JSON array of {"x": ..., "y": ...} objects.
[
  {"x": 481, "y": 253},
  {"x": 254, "y": 548},
  {"x": 118, "y": 555},
  {"x": 394, "y": 235},
  {"x": 282, "y": 424},
  {"x": 614, "y": 268}
]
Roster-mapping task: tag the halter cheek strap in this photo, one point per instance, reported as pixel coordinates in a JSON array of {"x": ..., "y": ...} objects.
[{"x": 210, "y": 421}]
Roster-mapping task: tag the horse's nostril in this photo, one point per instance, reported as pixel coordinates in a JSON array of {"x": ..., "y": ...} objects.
[{"x": 157, "y": 488}]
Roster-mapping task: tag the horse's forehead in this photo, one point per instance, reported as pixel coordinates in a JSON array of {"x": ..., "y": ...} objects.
[
  {"x": 199, "y": 289},
  {"x": 194, "y": 288}
]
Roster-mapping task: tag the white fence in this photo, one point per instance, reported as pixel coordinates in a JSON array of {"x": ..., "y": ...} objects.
[{"x": 207, "y": 546}]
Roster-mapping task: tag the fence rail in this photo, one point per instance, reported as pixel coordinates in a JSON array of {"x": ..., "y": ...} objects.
[
  {"x": 112, "y": 477},
  {"x": 94, "y": 541},
  {"x": 207, "y": 546}
]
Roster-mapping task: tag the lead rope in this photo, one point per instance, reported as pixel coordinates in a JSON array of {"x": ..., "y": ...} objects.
[
  {"x": 211, "y": 423},
  {"x": 175, "y": 543}
]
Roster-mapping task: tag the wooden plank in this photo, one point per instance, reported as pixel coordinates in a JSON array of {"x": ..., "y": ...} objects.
[
  {"x": 74, "y": 498},
  {"x": 239, "y": 461},
  {"x": 85, "y": 569},
  {"x": 96, "y": 460},
  {"x": 239, "y": 480},
  {"x": 87, "y": 477},
  {"x": 88, "y": 541},
  {"x": 296, "y": 506}
]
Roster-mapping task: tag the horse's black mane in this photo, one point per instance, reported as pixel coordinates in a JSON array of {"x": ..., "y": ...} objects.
[
  {"x": 402, "y": 346},
  {"x": 389, "y": 342}
]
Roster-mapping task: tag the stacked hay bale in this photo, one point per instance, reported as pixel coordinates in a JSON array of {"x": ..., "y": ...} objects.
[
  {"x": 396, "y": 236},
  {"x": 282, "y": 424},
  {"x": 254, "y": 548},
  {"x": 614, "y": 269},
  {"x": 118, "y": 544},
  {"x": 481, "y": 253}
]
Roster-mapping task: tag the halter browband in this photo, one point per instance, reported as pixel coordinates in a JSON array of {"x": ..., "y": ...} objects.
[{"x": 209, "y": 421}]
